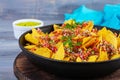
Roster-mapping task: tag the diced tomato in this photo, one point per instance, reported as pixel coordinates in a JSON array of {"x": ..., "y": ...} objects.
[
  {"x": 85, "y": 56},
  {"x": 63, "y": 25},
  {"x": 76, "y": 54},
  {"x": 77, "y": 30},
  {"x": 84, "y": 24},
  {"x": 94, "y": 48},
  {"x": 81, "y": 56},
  {"x": 33, "y": 49},
  {"x": 57, "y": 40},
  {"x": 46, "y": 45},
  {"x": 116, "y": 34},
  {"x": 54, "y": 32},
  {"x": 94, "y": 30},
  {"x": 54, "y": 49}
]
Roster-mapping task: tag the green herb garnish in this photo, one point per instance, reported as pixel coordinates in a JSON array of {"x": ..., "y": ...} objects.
[
  {"x": 67, "y": 40},
  {"x": 78, "y": 43},
  {"x": 68, "y": 26}
]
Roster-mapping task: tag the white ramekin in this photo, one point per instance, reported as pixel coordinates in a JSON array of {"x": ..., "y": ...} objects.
[{"x": 19, "y": 30}]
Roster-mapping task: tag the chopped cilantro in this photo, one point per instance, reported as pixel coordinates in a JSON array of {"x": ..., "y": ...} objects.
[
  {"x": 51, "y": 41},
  {"x": 68, "y": 26},
  {"x": 78, "y": 43},
  {"x": 67, "y": 40}
]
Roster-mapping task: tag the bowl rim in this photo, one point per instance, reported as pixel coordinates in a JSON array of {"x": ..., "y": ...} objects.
[
  {"x": 25, "y": 20},
  {"x": 62, "y": 61}
]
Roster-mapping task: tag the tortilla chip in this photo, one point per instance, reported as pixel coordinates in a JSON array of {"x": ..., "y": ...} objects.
[
  {"x": 51, "y": 34},
  {"x": 31, "y": 39},
  {"x": 45, "y": 52},
  {"x": 77, "y": 37},
  {"x": 35, "y": 33},
  {"x": 112, "y": 39},
  {"x": 57, "y": 31},
  {"x": 108, "y": 36},
  {"x": 90, "y": 42},
  {"x": 102, "y": 31},
  {"x": 92, "y": 58},
  {"x": 103, "y": 56},
  {"x": 93, "y": 34},
  {"x": 118, "y": 42},
  {"x": 55, "y": 27},
  {"x": 70, "y": 22},
  {"x": 115, "y": 56},
  {"x": 119, "y": 35},
  {"x": 98, "y": 40},
  {"x": 53, "y": 55},
  {"x": 86, "y": 39},
  {"x": 59, "y": 37},
  {"x": 60, "y": 53},
  {"x": 30, "y": 46},
  {"x": 78, "y": 59},
  {"x": 66, "y": 59},
  {"x": 89, "y": 26}
]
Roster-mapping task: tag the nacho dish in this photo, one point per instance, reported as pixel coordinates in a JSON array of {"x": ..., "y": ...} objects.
[{"x": 75, "y": 42}]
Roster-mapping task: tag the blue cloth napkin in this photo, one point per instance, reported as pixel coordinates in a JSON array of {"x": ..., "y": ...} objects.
[
  {"x": 85, "y": 14},
  {"x": 109, "y": 16}
]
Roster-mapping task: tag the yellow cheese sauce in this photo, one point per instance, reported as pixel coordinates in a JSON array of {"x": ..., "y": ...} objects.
[{"x": 28, "y": 24}]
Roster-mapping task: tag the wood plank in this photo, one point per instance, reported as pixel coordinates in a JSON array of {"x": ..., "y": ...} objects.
[
  {"x": 25, "y": 70},
  {"x": 50, "y": 11}
]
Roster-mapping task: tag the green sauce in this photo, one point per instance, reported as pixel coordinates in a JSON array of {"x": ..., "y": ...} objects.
[{"x": 28, "y": 24}]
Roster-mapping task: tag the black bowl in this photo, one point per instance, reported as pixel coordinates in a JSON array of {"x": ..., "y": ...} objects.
[{"x": 70, "y": 69}]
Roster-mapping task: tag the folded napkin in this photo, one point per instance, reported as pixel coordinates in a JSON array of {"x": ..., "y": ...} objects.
[
  {"x": 85, "y": 14},
  {"x": 109, "y": 17}
]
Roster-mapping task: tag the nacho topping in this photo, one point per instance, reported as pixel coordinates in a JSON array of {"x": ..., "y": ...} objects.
[{"x": 75, "y": 42}]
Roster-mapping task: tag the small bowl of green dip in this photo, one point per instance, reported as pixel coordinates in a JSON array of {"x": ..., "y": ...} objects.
[{"x": 23, "y": 25}]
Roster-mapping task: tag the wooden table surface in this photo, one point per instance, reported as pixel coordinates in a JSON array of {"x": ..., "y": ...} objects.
[{"x": 50, "y": 11}]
